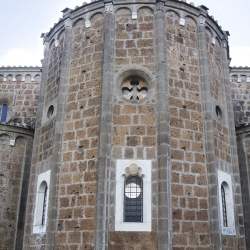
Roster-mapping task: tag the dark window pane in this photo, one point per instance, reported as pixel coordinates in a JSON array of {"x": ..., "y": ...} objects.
[
  {"x": 4, "y": 113},
  {"x": 133, "y": 199}
]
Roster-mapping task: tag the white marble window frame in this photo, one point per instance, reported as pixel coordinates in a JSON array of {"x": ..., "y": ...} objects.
[
  {"x": 145, "y": 168},
  {"x": 230, "y": 229},
  {"x": 41, "y": 178}
]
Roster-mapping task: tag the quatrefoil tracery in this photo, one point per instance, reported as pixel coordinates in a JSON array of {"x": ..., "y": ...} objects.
[{"x": 134, "y": 89}]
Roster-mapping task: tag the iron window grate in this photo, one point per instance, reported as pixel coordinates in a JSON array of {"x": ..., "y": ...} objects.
[{"x": 133, "y": 199}]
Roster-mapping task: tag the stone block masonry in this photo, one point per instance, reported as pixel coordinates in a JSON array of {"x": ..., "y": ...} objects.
[{"x": 127, "y": 83}]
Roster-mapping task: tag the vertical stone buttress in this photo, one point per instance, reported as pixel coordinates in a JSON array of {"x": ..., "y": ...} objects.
[
  {"x": 36, "y": 146},
  {"x": 105, "y": 134},
  {"x": 208, "y": 133},
  {"x": 57, "y": 161},
  {"x": 24, "y": 192},
  {"x": 243, "y": 156},
  {"x": 162, "y": 121},
  {"x": 236, "y": 181}
]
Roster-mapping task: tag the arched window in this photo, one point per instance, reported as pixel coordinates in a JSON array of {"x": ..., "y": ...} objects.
[
  {"x": 44, "y": 205},
  {"x": 41, "y": 204},
  {"x": 133, "y": 196},
  {"x": 133, "y": 199},
  {"x": 4, "y": 113},
  {"x": 224, "y": 205}
]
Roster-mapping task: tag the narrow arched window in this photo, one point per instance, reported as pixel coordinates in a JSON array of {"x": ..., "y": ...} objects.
[
  {"x": 133, "y": 199},
  {"x": 4, "y": 113},
  {"x": 224, "y": 206},
  {"x": 42, "y": 195},
  {"x": 44, "y": 205}
]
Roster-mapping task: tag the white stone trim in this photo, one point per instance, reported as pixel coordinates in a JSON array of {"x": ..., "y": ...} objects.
[
  {"x": 213, "y": 41},
  {"x": 144, "y": 168},
  {"x": 230, "y": 230},
  {"x": 182, "y": 22},
  {"x": 134, "y": 15},
  {"x": 87, "y": 24},
  {"x": 41, "y": 178}
]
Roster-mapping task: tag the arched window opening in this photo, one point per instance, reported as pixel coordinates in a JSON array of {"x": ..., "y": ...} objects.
[
  {"x": 224, "y": 206},
  {"x": 42, "y": 195},
  {"x": 4, "y": 113},
  {"x": 133, "y": 199},
  {"x": 44, "y": 205}
]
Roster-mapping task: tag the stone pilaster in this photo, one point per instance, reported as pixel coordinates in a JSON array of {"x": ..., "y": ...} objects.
[
  {"x": 36, "y": 145},
  {"x": 57, "y": 145},
  {"x": 105, "y": 133},
  {"x": 239, "y": 221},
  {"x": 208, "y": 132},
  {"x": 162, "y": 121}
]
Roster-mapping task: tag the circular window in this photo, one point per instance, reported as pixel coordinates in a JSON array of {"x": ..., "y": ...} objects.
[
  {"x": 132, "y": 190},
  {"x": 50, "y": 111},
  {"x": 134, "y": 89},
  {"x": 218, "y": 112}
]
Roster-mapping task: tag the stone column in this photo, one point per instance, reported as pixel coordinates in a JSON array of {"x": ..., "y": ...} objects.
[
  {"x": 57, "y": 145},
  {"x": 105, "y": 132},
  {"x": 162, "y": 121},
  {"x": 208, "y": 132},
  {"x": 236, "y": 181}
]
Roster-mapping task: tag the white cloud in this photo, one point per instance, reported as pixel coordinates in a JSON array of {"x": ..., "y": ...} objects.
[
  {"x": 21, "y": 57},
  {"x": 240, "y": 56}
]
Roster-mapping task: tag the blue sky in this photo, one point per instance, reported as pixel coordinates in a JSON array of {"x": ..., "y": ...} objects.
[{"x": 24, "y": 21}]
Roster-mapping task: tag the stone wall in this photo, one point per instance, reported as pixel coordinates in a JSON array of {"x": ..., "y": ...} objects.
[
  {"x": 20, "y": 90},
  {"x": 188, "y": 163},
  {"x": 76, "y": 210},
  {"x": 15, "y": 157},
  {"x": 240, "y": 85},
  {"x": 135, "y": 83}
]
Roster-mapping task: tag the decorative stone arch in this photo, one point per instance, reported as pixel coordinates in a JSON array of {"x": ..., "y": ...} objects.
[
  {"x": 9, "y": 78},
  {"x": 93, "y": 21},
  {"x": 96, "y": 16},
  {"x": 37, "y": 78},
  {"x": 145, "y": 10},
  {"x": 208, "y": 32},
  {"x": 5, "y": 136},
  {"x": 172, "y": 14},
  {"x": 78, "y": 22},
  {"x": 28, "y": 78},
  {"x": 191, "y": 20},
  {"x": 52, "y": 44},
  {"x": 123, "y": 11}
]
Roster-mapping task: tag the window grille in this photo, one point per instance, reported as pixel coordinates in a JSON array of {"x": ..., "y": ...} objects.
[
  {"x": 224, "y": 208},
  {"x": 133, "y": 199},
  {"x": 44, "y": 205},
  {"x": 4, "y": 113}
]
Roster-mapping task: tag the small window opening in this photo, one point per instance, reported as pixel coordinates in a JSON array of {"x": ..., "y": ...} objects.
[
  {"x": 4, "y": 113},
  {"x": 224, "y": 206},
  {"x": 44, "y": 205},
  {"x": 50, "y": 111},
  {"x": 134, "y": 90},
  {"x": 133, "y": 199},
  {"x": 218, "y": 112}
]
